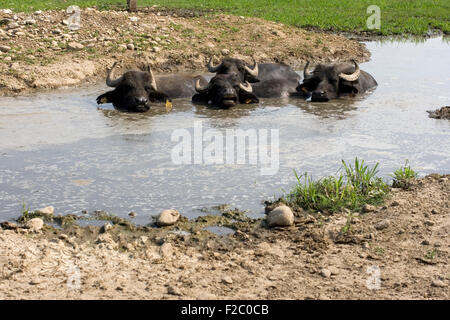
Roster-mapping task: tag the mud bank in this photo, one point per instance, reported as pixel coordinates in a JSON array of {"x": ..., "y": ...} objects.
[
  {"x": 398, "y": 251},
  {"x": 39, "y": 51}
]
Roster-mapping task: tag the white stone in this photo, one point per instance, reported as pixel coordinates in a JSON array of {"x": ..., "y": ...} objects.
[
  {"x": 281, "y": 216},
  {"x": 130, "y": 46},
  {"x": 48, "y": 211},
  {"x": 5, "y": 48},
  {"x": 35, "y": 224},
  {"x": 166, "y": 250},
  {"x": 167, "y": 217},
  {"x": 75, "y": 46},
  {"x": 134, "y": 19}
]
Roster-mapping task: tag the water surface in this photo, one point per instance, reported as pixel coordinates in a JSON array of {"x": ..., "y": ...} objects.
[{"x": 57, "y": 149}]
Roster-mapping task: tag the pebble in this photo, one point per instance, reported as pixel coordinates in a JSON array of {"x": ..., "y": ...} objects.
[
  {"x": 438, "y": 283},
  {"x": 132, "y": 214},
  {"x": 4, "y": 48},
  {"x": 281, "y": 216},
  {"x": 30, "y": 21},
  {"x": 156, "y": 49},
  {"x": 396, "y": 203},
  {"x": 225, "y": 52},
  {"x": 130, "y": 46},
  {"x": 227, "y": 280},
  {"x": 174, "y": 291},
  {"x": 325, "y": 273},
  {"x": 368, "y": 208},
  {"x": 434, "y": 211},
  {"x": 7, "y": 11},
  {"x": 425, "y": 242},
  {"x": 167, "y": 217},
  {"x": 47, "y": 211},
  {"x": 333, "y": 270},
  {"x": 12, "y": 25},
  {"x": 429, "y": 223},
  {"x": 166, "y": 250},
  {"x": 74, "y": 46},
  {"x": 382, "y": 225},
  {"x": 35, "y": 224},
  {"x": 106, "y": 227},
  {"x": 134, "y": 19}
]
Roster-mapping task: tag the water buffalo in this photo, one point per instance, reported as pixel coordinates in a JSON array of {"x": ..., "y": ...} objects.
[
  {"x": 136, "y": 89},
  {"x": 276, "y": 80},
  {"x": 224, "y": 90},
  {"x": 328, "y": 82},
  {"x": 235, "y": 82}
]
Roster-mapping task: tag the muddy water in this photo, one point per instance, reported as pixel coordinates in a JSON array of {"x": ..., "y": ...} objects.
[{"x": 58, "y": 149}]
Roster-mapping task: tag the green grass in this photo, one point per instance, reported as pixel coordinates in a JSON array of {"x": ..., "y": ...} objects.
[
  {"x": 397, "y": 16},
  {"x": 354, "y": 187},
  {"x": 403, "y": 177}
]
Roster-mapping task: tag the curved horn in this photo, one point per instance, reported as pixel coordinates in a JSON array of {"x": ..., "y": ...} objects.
[
  {"x": 152, "y": 79},
  {"x": 306, "y": 73},
  {"x": 247, "y": 88},
  {"x": 353, "y": 76},
  {"x": 110, "y": 81},
  {"x": 254, "y": 71},
  {"x": 212, "y": 68},
  {"x": 201, "y": 89}
]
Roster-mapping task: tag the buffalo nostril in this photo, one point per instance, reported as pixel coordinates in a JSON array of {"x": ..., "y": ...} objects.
[{"x": 141, "y": 100}]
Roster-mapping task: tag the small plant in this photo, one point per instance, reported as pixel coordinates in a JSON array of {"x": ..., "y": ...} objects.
[
  {"x": 354, "y": 188},
  {"x": 348, "y": 224},
  {"x": 431, "y": 254},
  {"x": 403, "y": 177}
]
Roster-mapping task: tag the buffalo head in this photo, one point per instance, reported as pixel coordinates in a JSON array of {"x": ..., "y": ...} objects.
[
  {"x": 238, "y": 66},
  {"x": 133, "y": 91},
  {"x": 328, "y": 82},
  {"x": 225, "y": 90}
]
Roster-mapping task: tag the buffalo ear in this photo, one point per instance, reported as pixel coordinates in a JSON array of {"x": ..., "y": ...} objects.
[
  {"x": 247, "y": 98},
  {"x": 156, "y": 96},
  {"x": 107, "y": 97},
  {"x": 200, "y": 98}
]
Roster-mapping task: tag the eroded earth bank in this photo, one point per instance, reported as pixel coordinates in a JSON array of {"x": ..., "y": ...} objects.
[
  {"x": 399, "y": 250},
  {"x": 39, "y": 51}
]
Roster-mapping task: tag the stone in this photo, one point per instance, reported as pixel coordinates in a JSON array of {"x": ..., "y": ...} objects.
[
  {"x": 382, "y": 225},
  {"x": 438, "y": 283},
  {"x": 325, "y": 273},
  {"x": 130, "y": 46},
  {"x": 227, "y": 280},
  {"x": 132, "y": 214},
  {"x": 30, "y": 21},
  {"x": 47, "y": 211},
  {"x": 174, "y": 291},
  {"x": 106, "y": 227},
  {"x": 167, "y": 217},
  {"x": 74, "y": 46},
  {"x": 7, "y": 11},
  {"x": 368, "y": 208},
  {"x": 225, "y": 52},
  {"x": 156, "y": 49},
  {"x": 4, "y": 48},
  {"x": 429, "y": 223},
  {"x": 281, "y": 216},
  {"x": 334, "y": 270},
  {"x": 134, "y": 19},
  {"x": 35, "y": 224},
  {"x": 166, "y": 250},
  {"x": 12, "y": 25},
  {"x": 397, "y": 203}
]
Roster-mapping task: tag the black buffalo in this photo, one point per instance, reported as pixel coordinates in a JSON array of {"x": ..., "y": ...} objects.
[
  {"x": 224, "y": 90},
  {"x": 327, "y": 82},
  {"x": 135, "y": 90},
  {"x": 276, "y": 80}
]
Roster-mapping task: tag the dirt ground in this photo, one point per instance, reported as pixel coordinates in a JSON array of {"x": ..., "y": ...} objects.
[
  {"x": 39, "y": 51},
  {"x": 397, "y": 251}
]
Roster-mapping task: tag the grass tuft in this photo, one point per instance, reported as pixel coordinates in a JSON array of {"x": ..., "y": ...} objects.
[
  {"x": 356, "y": 186},
  {"x": 403, "y": 177}
]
